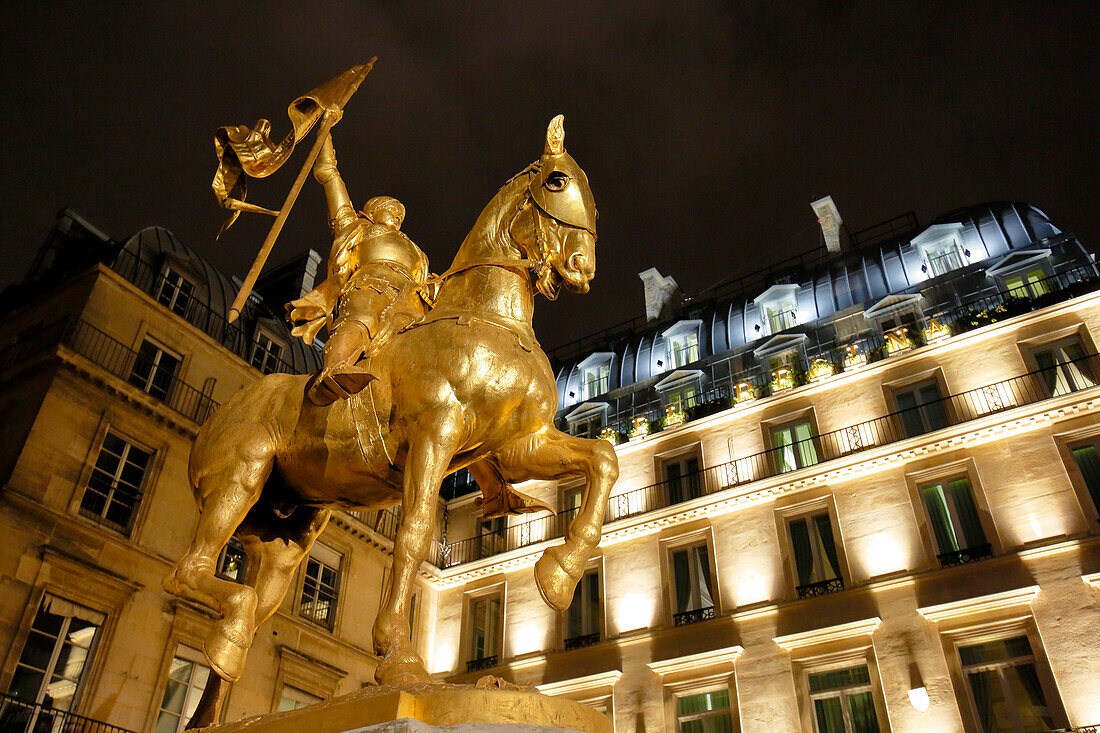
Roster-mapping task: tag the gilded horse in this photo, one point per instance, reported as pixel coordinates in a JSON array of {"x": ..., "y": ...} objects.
[{"x": 468, "y": 387}]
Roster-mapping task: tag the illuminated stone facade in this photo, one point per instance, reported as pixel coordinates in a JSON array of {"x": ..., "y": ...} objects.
[{"x": 850, "y": 494}]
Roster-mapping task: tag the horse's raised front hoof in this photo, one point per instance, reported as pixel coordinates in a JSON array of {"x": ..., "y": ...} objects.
[
  {"x": 401, "y": 669},
  {"x": 226, "y": 655},
  {"x": 554, "y": 583}
]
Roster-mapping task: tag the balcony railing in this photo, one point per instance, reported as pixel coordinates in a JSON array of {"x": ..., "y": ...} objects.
[
  {"x": 478, "y": 665},
  {"x": 21, "y": 716},
  {"x": 118, "y": 359},
  {"x": 694, "y": 616},
  {"x": 892, "y": 428},
  {"x": 822, "y": 588},
  {"x": 961, "y": 557},
  {"x": 577, "y": 642}
]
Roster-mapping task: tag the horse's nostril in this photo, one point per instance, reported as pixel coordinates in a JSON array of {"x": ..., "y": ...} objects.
[{"x": 577, "y": 261}]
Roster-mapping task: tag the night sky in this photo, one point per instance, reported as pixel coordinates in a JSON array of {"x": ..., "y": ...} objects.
[{"x": 706, "y": 129}]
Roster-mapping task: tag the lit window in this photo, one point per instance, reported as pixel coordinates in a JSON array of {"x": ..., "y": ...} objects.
[
  {"x": 843, "y": 701},
  {"x": 485, "y": 628},
  {"x": 1087, "y": 459},
  {"x": 920, "y": 408},
  {"x": 267, "y": 353},
  {"x": 1030, "y": 284},
  {"x": 683, "y": 479},
  {"x": 1064, "y": 367},
  {"x": 233, "y": 562},
  {"x": 154, "y": 370},
  {"x": 50, "y": 668},
  {"x": 597, "y": 380},
  {"x": 115, "y": 486},
  {"x": 572, "y": 499},
  {"x": 491, "y": 536},
  {"x": 320, "y": 587},
  {"x": 956, "y": 524},
  {"x": 815, "y": 557},
  {"x": 778, "y": 308},
  {"x": 1004, "y": 686},
  {"x": 583, "y": 617},
  {"x": 186, "y": 681},
  {"x": 681, "y": 398},
  {"x": 292, "y": 698},
  {"x": 587, "y": 420},
  {"x": 175, "y": 291},
  {"x": 708, "y": 712},
  {"x": 692, "y": 595},
  {"x": 683, "y": 349},
  {"x": 793, "y": 446},
  {"x": 940, "y": 248}
]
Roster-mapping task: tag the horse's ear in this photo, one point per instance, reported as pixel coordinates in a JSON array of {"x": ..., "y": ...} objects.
[{"x": 555, "y": 136}]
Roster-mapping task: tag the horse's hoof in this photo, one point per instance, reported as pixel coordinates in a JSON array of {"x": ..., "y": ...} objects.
[
  {"x": 554, "y": 583},
  {"x": 225, "y": 655},
  {"x": 406, "y": 669}
]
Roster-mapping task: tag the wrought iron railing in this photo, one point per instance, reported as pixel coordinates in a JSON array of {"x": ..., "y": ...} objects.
[
  {"x": 477, "y": 665},
  {"x": 382, "y": 521},
  {"x": 21, "y": 716},
  {"x": 693, "y": 617},
  {"x": 821, "y": 588},
  {"x": 951, "y": 410},
  {"x": 576, "y": 642},
  {"x": 120, "y": 360},
  {"x": 969, "y": 554}
]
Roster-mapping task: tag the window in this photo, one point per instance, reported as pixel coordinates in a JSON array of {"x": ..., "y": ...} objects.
[
  {"x": 692, "y": 597},
  {"x": 571, "y": 501},
  {"x": 1064, "y": 367},
  {"x": 842, "y": 701},
  {"x": 587, "y": 420},
  {"x": 597, "y": 380},
  {"x": 683, "y": 479},
  {"x": 1030, "y": 284},
  {"x": 956, "y": 525},
  {"x": 233, "y": 562},
  {"x": 491, "y": 538},
  {"x": 267, "y": 353},
  {"x": 485, "y": 630},
  {"x": 292, "y": 698},
  {"x": 582, "y": 620},
  {"x": 320, "y": 587},
  {"x": 1004, "y": 686},
  {"x": 683, "y": 349},
  {"x": 1087, "y": 459},
  {"x": 154, "y": 370},
  {"x": 708, "y": 712},
  {"x": 187, "y": 678},
  {"x": 780, "y": 316},
  {"x": 793, "y": 446},
  {"x": 778, "y": 308},
  {"x": 682, "y": 398},
  {"x": 920, "y": 408},
  {"x": 57, "y": 651},
  {"x": 816, "y": 561},
  {"x": 116, "y": 483},
  {"x": 175, "y": 292}
]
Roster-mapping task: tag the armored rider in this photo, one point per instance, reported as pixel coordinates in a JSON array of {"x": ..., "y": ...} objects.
[{"x": 376, "y": 286}]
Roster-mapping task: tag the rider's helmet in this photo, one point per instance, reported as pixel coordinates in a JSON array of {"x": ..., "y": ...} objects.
[
  {"x": 559, "y": 186},
  {"x": 378, "y": 203}
]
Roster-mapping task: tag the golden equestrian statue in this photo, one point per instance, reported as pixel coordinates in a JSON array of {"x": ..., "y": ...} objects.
[{"x": 465, "y": 386}]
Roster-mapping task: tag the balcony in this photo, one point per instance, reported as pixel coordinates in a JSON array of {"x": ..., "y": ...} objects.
[
  {"x": 482, "y": 664},
  {"x": 21, "y": 716},
  {"x": 961, "y": 557},
  {"x": 578, "y": 642},
  {"x": 895, "y": 427},
  {"x": 822, "y": 588},
  {"x": 782, "y": 320},
  {"x": 686, "y": 618}
]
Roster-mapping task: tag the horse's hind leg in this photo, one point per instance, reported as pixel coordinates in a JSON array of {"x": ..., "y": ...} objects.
[
  {"x": 552, "y": 454},
  {"x": 225, "y": 498},
  {"x": 429, "y": 455},
  {"x": 275, "y": 547}
]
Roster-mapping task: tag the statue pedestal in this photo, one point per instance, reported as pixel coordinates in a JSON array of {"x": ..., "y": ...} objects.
[{"x": 427, "y": 708}]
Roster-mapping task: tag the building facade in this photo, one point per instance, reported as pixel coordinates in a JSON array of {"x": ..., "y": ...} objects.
[{"x": 858, "y": 491}]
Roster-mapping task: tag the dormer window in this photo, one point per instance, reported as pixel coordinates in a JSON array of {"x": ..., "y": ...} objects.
[
  {"x": 680, "y": 390},
  {"x": 595, "y": 373},
  {"x": 176, "y": 291},
  {"x": 778, "y": 308},
  {"x": 941, "y": 249},
  {"x": 587, "y": 420},
  {"x": 267, "y": 351},
  {"x": 1024, "y": 274},
  {"x": 894, "y": 312},
  {"x": 683, "y": 343}
]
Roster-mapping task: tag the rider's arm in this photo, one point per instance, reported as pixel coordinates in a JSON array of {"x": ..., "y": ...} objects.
[{"x": 340, "y": 209}]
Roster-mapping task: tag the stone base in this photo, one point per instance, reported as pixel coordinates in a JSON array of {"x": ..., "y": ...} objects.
[{"x": 417, "y": 708}]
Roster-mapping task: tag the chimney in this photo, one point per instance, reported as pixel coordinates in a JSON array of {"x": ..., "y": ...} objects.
[
  {"x": 662, "y": 294},
  {"x": 829, "y": 219}
]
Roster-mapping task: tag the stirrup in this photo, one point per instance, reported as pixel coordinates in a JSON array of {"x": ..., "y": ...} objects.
[{"x": 339, "y": 384}]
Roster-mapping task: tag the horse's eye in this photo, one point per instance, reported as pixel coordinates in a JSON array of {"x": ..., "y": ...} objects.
[{"x": 556, "y": 181}]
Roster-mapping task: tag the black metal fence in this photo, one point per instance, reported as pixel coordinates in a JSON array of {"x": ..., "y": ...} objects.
[
  {"x": 21, "y": 716},
  {"x": 818, "y": 448}
]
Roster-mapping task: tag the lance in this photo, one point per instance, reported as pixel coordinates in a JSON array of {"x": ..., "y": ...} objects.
[{"x": 330, "y": 117}]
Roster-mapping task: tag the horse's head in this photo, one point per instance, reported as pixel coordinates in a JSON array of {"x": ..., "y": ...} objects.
[{"x": 557, "y": 226}]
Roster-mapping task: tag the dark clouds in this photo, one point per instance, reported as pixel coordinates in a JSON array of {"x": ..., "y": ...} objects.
[{"x": 705, "y": 128}]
